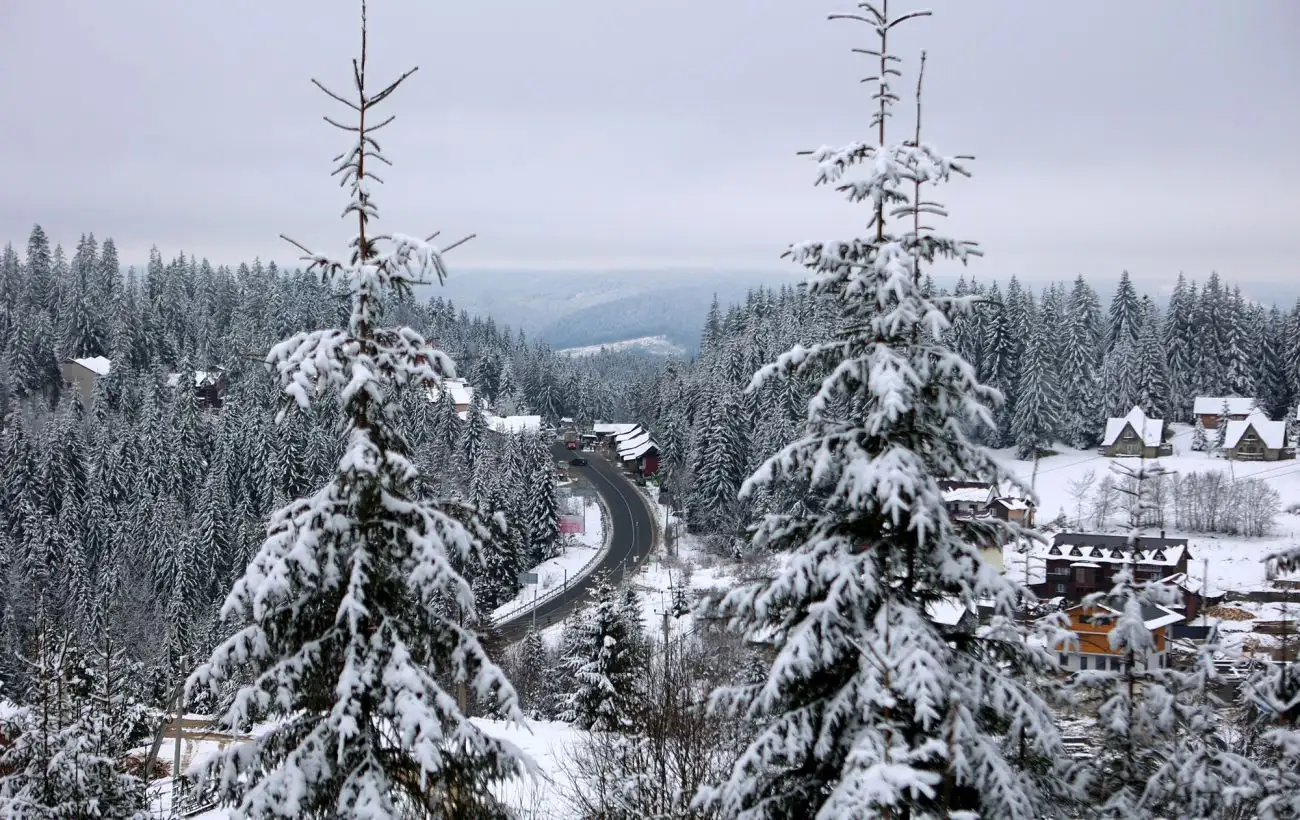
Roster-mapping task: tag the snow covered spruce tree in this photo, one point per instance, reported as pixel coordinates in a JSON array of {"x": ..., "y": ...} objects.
[
  {"x": 869, "y": 709},
  {"x": 353, "y": 615}
]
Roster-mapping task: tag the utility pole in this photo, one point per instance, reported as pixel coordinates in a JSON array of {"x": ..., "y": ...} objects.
[{"x": 1205, "y": 585}]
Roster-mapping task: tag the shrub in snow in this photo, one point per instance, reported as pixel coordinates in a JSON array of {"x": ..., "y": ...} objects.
[
  {"x": 870, "y": 707},
  {"x": 353, "y": 614}
]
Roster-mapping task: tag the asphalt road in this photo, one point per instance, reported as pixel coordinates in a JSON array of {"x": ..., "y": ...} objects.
[{"x": 632, "y": 539}]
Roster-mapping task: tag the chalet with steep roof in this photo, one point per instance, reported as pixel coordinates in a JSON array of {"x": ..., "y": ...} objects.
[
  {"x": 1257, "y": 438},
  {"x": 1136, "y": 436}
]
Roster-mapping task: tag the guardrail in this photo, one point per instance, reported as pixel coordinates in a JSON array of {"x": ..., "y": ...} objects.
[{"x": 582, "y": 572}]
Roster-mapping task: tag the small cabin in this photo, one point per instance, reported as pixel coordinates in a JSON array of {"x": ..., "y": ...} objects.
[
  {"x": 1136, "y": 436},
  {"x": 1208, "y": 409},
  {"x": 1257, "y": 438}
]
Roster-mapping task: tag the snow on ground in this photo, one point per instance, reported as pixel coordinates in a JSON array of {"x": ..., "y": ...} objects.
[
  {"x": 657, "y": 345},
  {"x": 581, "y": 549},
  {"x": 539, "y": 796},
  {"x": 547, "y": 744},
  {"x": 1234, "y": 563}
]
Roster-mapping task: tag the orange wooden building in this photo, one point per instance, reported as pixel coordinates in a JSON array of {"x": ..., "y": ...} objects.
[{"x": 1092, "y": 624}]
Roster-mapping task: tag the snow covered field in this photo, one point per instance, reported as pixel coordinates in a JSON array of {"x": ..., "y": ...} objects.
[
  {"x": 582, "y": 549},
  {"x": 1234, "y": 563}
]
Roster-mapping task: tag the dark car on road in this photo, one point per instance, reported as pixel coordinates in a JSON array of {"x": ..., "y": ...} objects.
[{"x": 578, "y": 462}]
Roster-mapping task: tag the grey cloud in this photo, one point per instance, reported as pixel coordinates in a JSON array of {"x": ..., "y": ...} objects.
[{"x": 1151, "y": 135}]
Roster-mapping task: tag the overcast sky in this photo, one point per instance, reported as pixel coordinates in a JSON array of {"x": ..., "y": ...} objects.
[{"x": 1156, "y": 135}]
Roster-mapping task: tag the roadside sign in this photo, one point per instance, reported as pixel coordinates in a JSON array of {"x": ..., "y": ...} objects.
[{"x": 526, "y": 578}]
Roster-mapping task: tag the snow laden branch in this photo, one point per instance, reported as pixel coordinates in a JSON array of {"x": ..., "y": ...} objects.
[
  {"x": 874, "y": 706},
  {"x": 354, "y": 618}
]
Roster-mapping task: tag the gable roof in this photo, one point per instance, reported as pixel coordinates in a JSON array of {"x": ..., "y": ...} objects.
[
  {"x": 975, "y": 492},
  {"x": 1151, "y": 431},
  {"x": 1110, "y": 549},
  {"x": 98, "y": 365},
  {"x": 1272, "y": 433},
  {"x": 461, "y": 392},
  {"x": 613, "y": 427},
  {"x": 1154, "y": 616},
  {"x": 202, "y": 378},
  {"x": 629, "y": 453},
  {"x": 628, "y": 435},
  {"x": 1213, "y": 405}
]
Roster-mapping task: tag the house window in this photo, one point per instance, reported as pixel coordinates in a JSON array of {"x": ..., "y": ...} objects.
[
  {"x": 1065, "y": 659},
  {"x": 1059, "y": 589},
  {"x": 1083, "y": 662},
  {"x": 1082, "y": 575},
  {"x": 1114, "y": 663}
]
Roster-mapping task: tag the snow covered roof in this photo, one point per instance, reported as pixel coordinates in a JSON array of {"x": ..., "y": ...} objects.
[
  {"x": 1012, "y": 503},
  {"x": 616, "y": 428},
  {"x": 461, "y": 392},
  {"x": 1152, "y": 431},
  {"x": 1213, "y": 405},
  {"x": 1109, "y": 549},
  {"x": 202, "y": 378},
  {"x": 628, "y": 435},
  {"x": 1154, "y": 616},
  {"x": 946, "y": 611},
  {"x": 98, "y": 365},
  {"x": 641, "y": 437},
  {"x": 1272, "y": 433},
  {"x": 514, "y": 424},
  {"x": 637, "y": 451}
]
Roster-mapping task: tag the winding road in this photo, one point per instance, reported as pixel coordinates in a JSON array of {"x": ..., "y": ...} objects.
[{"x": 633, "y": 538}]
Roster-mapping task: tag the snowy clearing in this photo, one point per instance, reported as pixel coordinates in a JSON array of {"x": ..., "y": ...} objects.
[
  {"x": 1234, "y": 563},
  {"x": 654, "y": 345}
]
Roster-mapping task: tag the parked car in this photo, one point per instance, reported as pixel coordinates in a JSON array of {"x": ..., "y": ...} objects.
[
  {"x": 578, "y": 462},
  {"x": 570, "y": 445}
]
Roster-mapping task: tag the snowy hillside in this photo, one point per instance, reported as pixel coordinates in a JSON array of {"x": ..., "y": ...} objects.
[
  {"x": 1234, "y": 562},
  {"x": 654, "y": 345}
]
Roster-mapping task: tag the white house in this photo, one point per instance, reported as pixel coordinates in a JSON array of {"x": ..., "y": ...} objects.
[{"x": 461, "y": 393}]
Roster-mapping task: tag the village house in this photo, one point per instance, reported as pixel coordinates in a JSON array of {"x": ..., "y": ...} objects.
[
  {"x": 82, "y": 374},
  {"x": 1136, "y": 436},
  {"x": 1077, "y": 564},
  {"x": 980, "y": 499},
  {"x": 637, "y": 451},
  {"x": 606, "y": 431},
  {"x": 1092, "y": 625},
  {"x": 1208, "y": 409},
  {"x": 1256, "y": 438},
  {"x": 209, "y": 387},
  {"x": 461, "y": 393}
]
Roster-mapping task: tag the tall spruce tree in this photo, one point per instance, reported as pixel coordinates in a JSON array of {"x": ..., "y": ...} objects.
[
  {"x": 1080, "y": 367},
  {"x": 1124, "y": 319},
  {"x": 1037, "y": 416},
  {"x": 354, "y": 615},
  {"x": 1179, "y": 336},
  {"x": 868, "y": 708}
]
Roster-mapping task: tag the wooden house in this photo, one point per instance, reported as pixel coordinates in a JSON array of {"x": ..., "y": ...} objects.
[
  {"x": 606, "y": 431},
  {"x": 461, "y": 393},
  {"x": 1092, "y": 625},
  {"x": 209, "y": 387},
  {"x": 1208, "y": 409},
  {"x": 83, "y": 374},
  {"x": 1257, "y": 438},
  {"x": 638, "y": 452},
  {"x": 967, "y": 499},
  {"x": 1077, "y": 564},
  {"x": 1016, "y": 510},
  {"x": 1136, "y": 436}
]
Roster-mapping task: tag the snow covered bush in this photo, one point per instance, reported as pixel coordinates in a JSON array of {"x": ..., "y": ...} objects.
[
  {"x": 353, "y": 615},
  {"x": 868, "y": 708}
]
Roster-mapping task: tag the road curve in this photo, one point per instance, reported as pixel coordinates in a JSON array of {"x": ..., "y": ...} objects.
[{"x": 633, "y": 538}]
